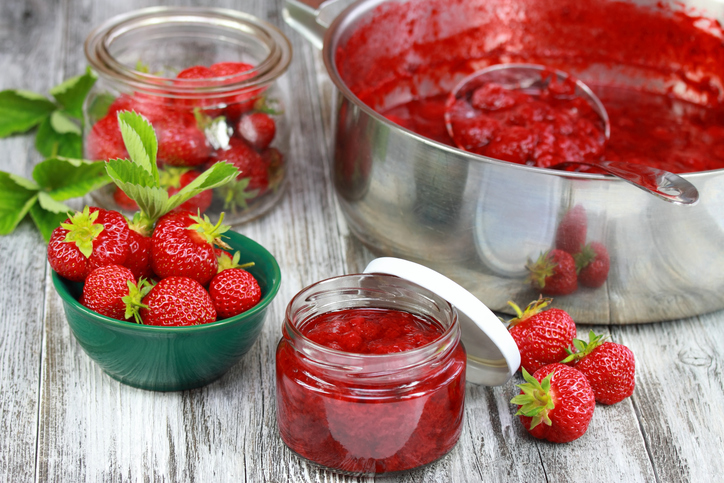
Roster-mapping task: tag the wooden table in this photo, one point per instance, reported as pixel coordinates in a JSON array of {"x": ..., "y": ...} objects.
[{"x": 63, "y": 419}]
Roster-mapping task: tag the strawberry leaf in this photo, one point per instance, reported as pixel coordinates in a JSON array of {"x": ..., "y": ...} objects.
[
  {"x": 99, "y": 105},
  {"x": 15, "y": 201},
  {"x": 49, "y": 204},
  {"x": 46, "y": 221},
  {"x": 218, "y": 174},
  {"x": 62, "y": 124},
  {"x": 22, "y": 110},
  {"x": 140, "y": 140},
  {"x": 125, "y": 171},
  {"x": 71, "y": 93},
  {"x": 66, "y": 178},
  {"x": 50, "y": 142}
]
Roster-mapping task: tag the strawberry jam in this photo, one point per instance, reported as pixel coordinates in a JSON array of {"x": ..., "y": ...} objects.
[{"x": 376, "y": 383}]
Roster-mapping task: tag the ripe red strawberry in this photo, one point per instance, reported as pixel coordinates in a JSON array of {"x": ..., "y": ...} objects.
[
  {"x": 572, "y": 230},
  {"x": 176, "y": 181},
  {"x": 554, "y": 273},
  {"x": 258, "y": 129},
  {"x": 139, "y": 257},
  {"x": 178, "y": 301},
  {"x": 183, "y": 245},
  {"x": 251, "y": 165},
  {"x": 609, "y": 367},
  {"x": 180, "y": 141},
  {"x": 542, "y": 336},
  {"x": 195, "y": 72},
  {"x": 112, "y": 291},
  {"x": 123, "y": 201},
  {"x": 233, "y": 289},
  {"x": 592, "y": 264},
  {"x": 560, "y": 398},
  {"x": 104, "y": 140},
  {"x": 239, "y": 103},
  {"x": 89, "y": 239}
]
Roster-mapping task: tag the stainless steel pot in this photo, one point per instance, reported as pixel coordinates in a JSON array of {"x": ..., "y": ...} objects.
[{"x": 478, "y": 220}]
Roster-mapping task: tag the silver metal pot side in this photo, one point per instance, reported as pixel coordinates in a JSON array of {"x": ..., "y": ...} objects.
[{"x": 478, "y": 220}]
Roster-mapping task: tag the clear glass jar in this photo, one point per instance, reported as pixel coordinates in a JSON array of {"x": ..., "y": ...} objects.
[
  {"x": 211, "y": 83},
  {"x": 369, "y": 413}
]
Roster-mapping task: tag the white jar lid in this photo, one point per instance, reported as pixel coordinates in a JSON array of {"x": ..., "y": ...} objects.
[{"x": 493, "y": 356}]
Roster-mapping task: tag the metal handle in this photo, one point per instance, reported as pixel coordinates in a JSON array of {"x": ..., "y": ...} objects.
[{"x": 311, "y": 18}]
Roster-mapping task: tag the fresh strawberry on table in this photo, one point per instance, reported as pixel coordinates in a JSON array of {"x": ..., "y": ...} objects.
[
  {"x": 556, "y": 403},
  {"x": 542, "y": 336},
  {"x": 609, "y": 367},
  {"x": 592, "y": 264},
  {"x": 182, "y": 244},
  {"x": 572, "y": 230},
  {"x": 112, "y": 291},
  {"x": 233, "y": 290},
  {"x": 178, "y": 301},
  {"x": 89, "y": 239},
  {"x": 554, "y": 273}
]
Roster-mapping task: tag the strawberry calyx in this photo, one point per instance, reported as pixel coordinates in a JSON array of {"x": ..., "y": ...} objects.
[
  {"x": 536, "y": 401},
  {"x": 226, "y": 262},
  {"x": 235, "y": 194},
  {"x": 83, "y": 230},
  {"x": 210, "y": 232},
  {"x": 582, "y": 348},
  {"x": 543, "y": 268},
  {"x": 584, "y": 257},
  {"x": 171, "y": 176},
  {"x": 140, "y": 225},
  {"x": 533, "y": 308},
  {"x": 134, "y": 299}
]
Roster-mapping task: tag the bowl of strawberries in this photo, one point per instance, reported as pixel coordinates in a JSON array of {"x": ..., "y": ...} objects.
[{"x": 167, "y": 300}]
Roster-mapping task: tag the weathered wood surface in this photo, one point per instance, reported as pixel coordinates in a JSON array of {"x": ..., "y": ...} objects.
[{"x": 63, "y": 419}]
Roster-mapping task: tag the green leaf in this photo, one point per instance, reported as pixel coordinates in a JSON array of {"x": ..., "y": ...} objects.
[
  {"x": 125, "y": 171},
  {"x": 218, "y": 174},
  {"x": 72, "y": 93},
  {"x": 151, "y": 201},
  {"x": 15, "y": 201},
  {"x": 49, "y": 204},
  {"x": 22, "y": 110},
  {"x": 46, "y": 221},
  {"x": 50, "y": 142},
  {"x": 140, "y": 140},
  {"x": 66, "y": 178},
  {"x": 25, "y": 183},
  {"x": 63, "y": 124},
  {"x": 99, "y": 106}
]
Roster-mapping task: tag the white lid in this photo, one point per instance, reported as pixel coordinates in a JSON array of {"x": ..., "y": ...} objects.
[{"x": 493, "y": 356}]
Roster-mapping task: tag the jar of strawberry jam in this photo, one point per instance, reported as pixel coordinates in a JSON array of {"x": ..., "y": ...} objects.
[
  {"x": 370, "y": 375},
  {"x": 211, "y": 83}
]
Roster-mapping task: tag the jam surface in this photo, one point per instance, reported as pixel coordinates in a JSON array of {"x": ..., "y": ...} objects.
[
  {"x": 667, "y": 112},
  {"x": 371, "y": 330}
]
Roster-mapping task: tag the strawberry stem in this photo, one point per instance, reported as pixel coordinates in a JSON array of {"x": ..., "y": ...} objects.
[
  {"x": 582, "y": 348},
  {"x": 533, "y": 308},
  {"x": 536, "y": 401},
  {"x": 212, "y": 233},
  {"x": 134, "y": 299},
  {"x": 83, "y": 230}
]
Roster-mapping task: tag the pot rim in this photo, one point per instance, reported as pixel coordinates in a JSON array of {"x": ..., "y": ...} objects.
[{"x": 358, "y": 9}]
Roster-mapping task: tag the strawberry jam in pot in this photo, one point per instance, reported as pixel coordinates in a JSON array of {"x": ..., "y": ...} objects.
[
  {"x": 210, "y": 81},
  {"x": 370, "y": 375}
]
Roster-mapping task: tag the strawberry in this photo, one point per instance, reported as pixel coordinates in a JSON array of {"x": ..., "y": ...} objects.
[
  {"x": 251, "y": 165},
  {"x": 233, "y": 289},
  {"x": 89, "y": 239},
  {"x": 180, "y": 141},
  {"x": 542, "y": 336},
  {"x": 592, "y": 264},
  {"x": 104, "y": 140},
  {"x": 139, "y": 257},
  {"x": 609, "y": 367},
  {"x": 123, "y": 201},
  {"x": 195, "y": 72},
  {"x": 183, "y": 245},
  {"x": 178, "y": 301},
  {"x": 237, "y": 105},
  {"x": 112, "y": 291},
  {"x": 571, "y": 231},
  {"x": 176, "y": 179},
  {"x": 558, "y": 396},
  {"x": 554, "y": 273},
  {"x": 258, "y": 129}
]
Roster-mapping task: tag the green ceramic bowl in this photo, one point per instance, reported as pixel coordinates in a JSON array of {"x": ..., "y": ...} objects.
[{"x": 172, "y": 358}]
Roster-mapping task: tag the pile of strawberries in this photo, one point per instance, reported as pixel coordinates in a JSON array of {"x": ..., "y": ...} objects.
[
  {"x": 195, "y": 133},
  {"x": 572, "y": 261},
  {"x": 568, "y": 375},
  {"x": 177, "y": 276}
]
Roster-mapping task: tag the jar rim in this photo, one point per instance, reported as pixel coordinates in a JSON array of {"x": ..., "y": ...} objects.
[
  {"x": 365, "y": 364},
  {"x": 98, "y": 43}
]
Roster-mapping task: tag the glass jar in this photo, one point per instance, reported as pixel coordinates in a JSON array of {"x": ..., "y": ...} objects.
[
  {"x": 211, "y": 83},
  {"x": 370, "y": 413}
]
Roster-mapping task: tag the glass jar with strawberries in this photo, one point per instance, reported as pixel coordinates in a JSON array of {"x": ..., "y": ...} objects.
[{"x": 211, "y": 83}]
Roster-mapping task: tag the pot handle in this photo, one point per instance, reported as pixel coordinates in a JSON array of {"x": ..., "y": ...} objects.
[{"x": 311, "y": 18}]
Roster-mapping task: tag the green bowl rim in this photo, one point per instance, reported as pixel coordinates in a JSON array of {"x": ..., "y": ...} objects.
[{"x": 62, "y": 290}]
